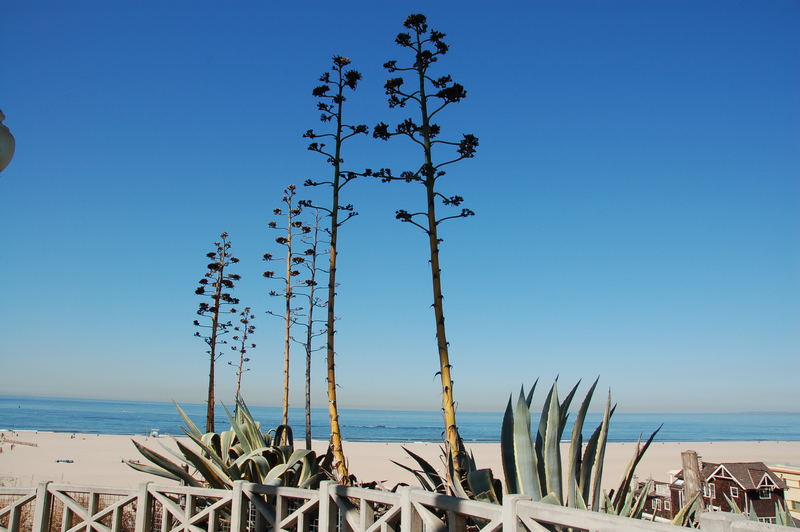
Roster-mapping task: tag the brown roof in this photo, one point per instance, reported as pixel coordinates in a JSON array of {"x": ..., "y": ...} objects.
[{"x": 747, "y": 474}]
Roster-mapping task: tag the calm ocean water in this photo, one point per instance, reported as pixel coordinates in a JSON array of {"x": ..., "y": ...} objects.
[{"x": 133, "y": 417}]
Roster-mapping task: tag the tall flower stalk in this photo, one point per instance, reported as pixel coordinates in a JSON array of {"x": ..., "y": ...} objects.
[
  {"x": 293, "y": 228},
  {"x": 331, "y": 94},
  {"x": 429, "y": 95},
  {"x": 242, "y": 334},
  {"x": 215, "y": 285},
  {"x": 312, "y": 253}
]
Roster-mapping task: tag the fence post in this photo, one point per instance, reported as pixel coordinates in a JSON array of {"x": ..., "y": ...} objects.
[
  {"x": 510, "y": 520},
  {"x": 408, "y": 521},
  {"x": 327, "y": 523},
  {"x": 143, "y": 509},
  {"x": 238, "y": 519},
  {"x": 41, "y": 515}
]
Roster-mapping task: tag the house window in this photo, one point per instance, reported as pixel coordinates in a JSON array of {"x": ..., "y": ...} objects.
[
  {"x": 764, "y": 493},
  {"x": 708, "y": 491},
  {"x": 794, "y": 505},
  {"x": 667, "y": 505},
  {"x": 767, "y": 520},
  {"x": 734, "y": 491},
  {"x": 656, "y": 504}
]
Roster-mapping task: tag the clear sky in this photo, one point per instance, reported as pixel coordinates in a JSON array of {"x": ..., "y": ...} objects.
[{"x": 636, "y": 189}]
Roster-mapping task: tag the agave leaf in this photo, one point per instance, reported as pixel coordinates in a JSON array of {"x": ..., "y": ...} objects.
[
  {"x": 299, "y": 455},
  {"x": 215, "y": 477},
  {"x": 626, "y": 506},
  {"x": 641, "y": 501},
  {"x": 226, "y": 442},
  {"x": 313, "y": 481},
  {"x": 587, "y": 462},
  {"x": 627, "y": 477},
  {"x": 551, "y": 498},
  {"x": 455, "y": 480},
  {"x": 579, "y": 502},
  {"x": 540, "y": 435},
  {"x": 551, "y": 451},
  {"x": 277, "y": 471},
  {"x": 190, "y": 426},
  {"x": 601, "y": 451},
  {"x": 784, "y": 516},
  {"x": 261, "y": 451},
  {"x": 529, "y": 398},
  {"x": 166, "y": 464},
  {"x": 144, "y": 468},
  {"x": 284, "y": 432},
  {"x": 211, "y": 440},
  {"x": 573, "y": 474},
  {"x": 211, "y": 453},
  {"x": 434, "y": 477},
  {"x": 565, "y": 410},
  {"x": 732, "y": 504},
  {"x": 240, "y": 432},
  {"x": 527, "y": 471},
  {"x": 170, "y": 451},
  {"x": 507, "y": 449},
  {"x": 481, "y": 483},
  {"x": 261, "y": 468},
  {"x": 687, "y": 511},
  {"x": 424, "y": 483}
]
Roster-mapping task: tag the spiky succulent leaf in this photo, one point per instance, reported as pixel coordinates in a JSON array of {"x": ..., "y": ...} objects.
[
  {"x": 527, "y": 468},
  {"x": 190, "y": 426},
  {"x": 564, "y": 410},
  {"x": 573, "y": 474},
  {"x": 551, "y": 452},
  {"x": 420, "y": 478},
  {"x": 215, "y": 477},
  {"x": 481, "y": 483},
  {"x": 434, "y": 478},
  {"x": 166, "y": 464},
  {"x": 144, "y": 468},
  {"x": 627, "y": 477},
  {"x": 507, "y": 450},
  {"x": 601, "y": 451}
]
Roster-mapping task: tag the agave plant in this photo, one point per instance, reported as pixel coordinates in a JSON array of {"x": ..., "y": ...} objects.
[
  {"x": 783, "y": 516},
  {"x": 242, "y": 453},
  {"x": 533, "y": 465},
  {"x": 473, "y": 483}
]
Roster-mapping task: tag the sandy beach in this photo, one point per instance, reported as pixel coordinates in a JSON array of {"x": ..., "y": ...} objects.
[{"x": 98, "y": 459}]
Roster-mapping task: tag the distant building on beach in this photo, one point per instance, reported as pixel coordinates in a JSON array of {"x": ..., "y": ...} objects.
[
  {"x": 790, "y": 474},
  {"x": 751, "y": 486}
]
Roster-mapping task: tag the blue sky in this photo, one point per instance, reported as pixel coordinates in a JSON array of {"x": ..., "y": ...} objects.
[{"x": 636, "y": 190}]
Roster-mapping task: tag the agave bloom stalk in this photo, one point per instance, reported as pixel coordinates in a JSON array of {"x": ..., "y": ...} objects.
[
  {"x": 243, "y": 331},
  {"x": 430, "y": 95},
  {"x": 310, "y": 324},
  {"x": 293, "y": 228},
  {"x": 219, "y": 282},
  {"x": 331, "y": 95}
]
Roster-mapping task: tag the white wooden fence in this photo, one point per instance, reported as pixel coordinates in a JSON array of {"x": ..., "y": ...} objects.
[{"x": 250, "y": 507}]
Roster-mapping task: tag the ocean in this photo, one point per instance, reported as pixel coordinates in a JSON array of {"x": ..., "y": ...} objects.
[{"x": 137, "y": 417}]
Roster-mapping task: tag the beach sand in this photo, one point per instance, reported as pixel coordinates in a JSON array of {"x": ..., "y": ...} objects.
[{"x": 97, "y": 460}]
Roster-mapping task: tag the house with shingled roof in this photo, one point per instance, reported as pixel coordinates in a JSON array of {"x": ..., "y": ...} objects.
[{"x": 751, "y": 486}]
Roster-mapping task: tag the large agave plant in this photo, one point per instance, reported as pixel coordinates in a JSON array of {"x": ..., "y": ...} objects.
[
  {"x": 533, "y": 464},
  {"x": 242, "y": 453}
]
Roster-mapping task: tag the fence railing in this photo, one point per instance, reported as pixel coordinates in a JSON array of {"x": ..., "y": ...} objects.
[{"x": 251, "y": 507}]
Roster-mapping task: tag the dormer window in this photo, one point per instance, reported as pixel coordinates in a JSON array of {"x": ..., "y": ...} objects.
[{"x": 765, "y": 492}]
